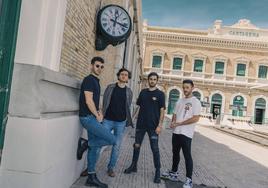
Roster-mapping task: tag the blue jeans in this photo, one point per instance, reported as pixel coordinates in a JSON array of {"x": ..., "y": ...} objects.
[
  {"x": 118, "y": 129},
  {"x": 98, "y": 136}
]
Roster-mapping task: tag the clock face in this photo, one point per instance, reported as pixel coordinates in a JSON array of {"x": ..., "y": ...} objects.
[{"x": 115, "y": 21}]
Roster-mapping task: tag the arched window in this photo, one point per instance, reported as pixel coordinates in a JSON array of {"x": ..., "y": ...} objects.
[
  {"x": 216, "y": 104},
  {"x": 260, "y": 103},
  {"x": 238, "y": 104},
  {"x": 174, "y": 95},
  {"x": 197, "y": 95},
  {"x": 216, "y": 99},
  {"x": 260, "y": 108}
]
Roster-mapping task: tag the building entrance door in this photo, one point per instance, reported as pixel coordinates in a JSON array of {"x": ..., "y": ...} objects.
[
  {"x": 216, "y": 109},
  {"x": 260, "y": 107},
  {"x": 259, "y": 116},
  {"x": 9, "y": 19}
]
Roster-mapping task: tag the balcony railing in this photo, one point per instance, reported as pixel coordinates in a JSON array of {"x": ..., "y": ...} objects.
[
  {"x": 207, "y": 76},
  {"x": 219, "y": 76},
  {"x": 198, "y": 74},
  {"x": 261, "y": 80},
  {"x": 176, "y": 72},
  {"x": 153, "y": 69},
  {"x": 240, "y": 79}
]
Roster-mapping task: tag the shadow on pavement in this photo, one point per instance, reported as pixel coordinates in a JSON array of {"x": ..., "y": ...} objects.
[
  {"x": 179, "y": 184},
  {"x": 232, "y": 168}
]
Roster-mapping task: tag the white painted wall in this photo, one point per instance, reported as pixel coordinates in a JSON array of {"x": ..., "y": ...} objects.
[
  {"x": 41, "y": 153},
  {"x": 40, "y": 33}
]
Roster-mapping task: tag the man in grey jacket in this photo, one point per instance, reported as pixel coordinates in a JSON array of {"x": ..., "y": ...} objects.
[{"x": 117, "y": 100}]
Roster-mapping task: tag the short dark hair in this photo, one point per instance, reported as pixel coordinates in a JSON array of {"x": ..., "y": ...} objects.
[
  {"x": 123, "y": 70},
  {"x": 188, "y": 81},
  {"x": 97, "y": 58},
  {"x": 153, "y": 74}
]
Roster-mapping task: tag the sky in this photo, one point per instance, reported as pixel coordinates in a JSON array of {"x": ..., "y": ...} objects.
[{"x": 201, "y": 14}]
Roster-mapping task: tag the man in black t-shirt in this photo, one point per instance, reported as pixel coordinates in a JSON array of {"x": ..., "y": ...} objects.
[
  {"x": 151, "y": 102},
  {"x": 91, "y": 118},
  {"x": 117, "y": 100}
]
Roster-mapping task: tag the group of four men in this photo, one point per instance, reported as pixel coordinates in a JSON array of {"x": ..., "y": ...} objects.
[{"x": 106, "y": 126}]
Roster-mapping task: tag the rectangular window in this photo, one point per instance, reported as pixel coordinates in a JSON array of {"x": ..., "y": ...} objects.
[
  {"x": 157, "y": 60},
  {"x": 241, "y": 69},
  {"x": 177, "y": 63},
  {"x": 198, "y": 65},
  {"x": 219, "y": 68},
  {"x": 262, "y": 71}
]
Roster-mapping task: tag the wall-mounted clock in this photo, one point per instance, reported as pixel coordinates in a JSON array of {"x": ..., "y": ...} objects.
[{"x": 113, "y": 26}]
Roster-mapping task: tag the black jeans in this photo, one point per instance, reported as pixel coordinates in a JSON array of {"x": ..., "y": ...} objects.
[
  {"x": 179, "y": 142},
  {"x": 153, "y": 136}
]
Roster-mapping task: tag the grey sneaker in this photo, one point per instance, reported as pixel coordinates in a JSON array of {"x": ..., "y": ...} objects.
[
  {"x": 188, "y": 183},
  {"x": 170, "y": 175}
]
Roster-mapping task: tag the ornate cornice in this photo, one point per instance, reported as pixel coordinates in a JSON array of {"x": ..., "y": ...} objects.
[{"x": 204, "y": 41}]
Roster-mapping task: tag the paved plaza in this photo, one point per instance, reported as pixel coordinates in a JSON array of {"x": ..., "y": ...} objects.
[{"x": 220, "y": 160}]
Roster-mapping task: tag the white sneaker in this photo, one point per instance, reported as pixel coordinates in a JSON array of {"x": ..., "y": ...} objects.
[
  {"x": 188, "y": 183},
  {"x": 170, "y": 175}
]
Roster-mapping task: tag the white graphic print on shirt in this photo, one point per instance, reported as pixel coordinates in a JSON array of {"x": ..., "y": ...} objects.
[{"x": 185, "y": 109}]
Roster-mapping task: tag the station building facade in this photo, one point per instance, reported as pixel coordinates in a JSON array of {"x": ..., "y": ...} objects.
[{"x": 228, "y": 64}]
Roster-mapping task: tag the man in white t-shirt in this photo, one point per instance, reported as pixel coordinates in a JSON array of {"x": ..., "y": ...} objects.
[{"x": 185, "y": 116}]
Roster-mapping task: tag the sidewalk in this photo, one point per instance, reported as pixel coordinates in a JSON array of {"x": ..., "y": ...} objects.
[
  {"x": 238, "y": 163},
  {"x": 144, "y": 177},
  {"x": 220, "y": 160}
]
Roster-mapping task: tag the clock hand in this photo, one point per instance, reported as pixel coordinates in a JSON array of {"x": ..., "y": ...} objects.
[
  {"x": 115, "y": 22},
  {"x": 116, "y": 16},
  {"x": 122, "y": 25}
]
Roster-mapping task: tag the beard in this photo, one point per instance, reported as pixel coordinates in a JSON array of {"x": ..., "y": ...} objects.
[
  {"x": 187, "y": 93},
  {"x": 96, "y": 72},
  {"x": 152, "y": 85},
  {"x": 123, "y": 81}
]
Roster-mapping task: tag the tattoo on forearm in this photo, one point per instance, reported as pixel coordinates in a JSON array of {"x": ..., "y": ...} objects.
[{"x": 161, "y": 120}]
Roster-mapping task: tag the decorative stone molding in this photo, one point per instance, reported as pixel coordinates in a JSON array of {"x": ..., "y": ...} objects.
[
  {"x": 205, "y": 41},
  {"x": 199, "y": 56},
  {"x": 263, "y": 61},
  {"x": 242, "y": 59},
  {"x": 245, "y": 24},
  {"x": 38, "y": 92},
  {"x": 221, "y": 58}
]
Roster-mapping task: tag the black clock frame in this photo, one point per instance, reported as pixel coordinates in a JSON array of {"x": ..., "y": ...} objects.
[{"x": 103, "y": 39}]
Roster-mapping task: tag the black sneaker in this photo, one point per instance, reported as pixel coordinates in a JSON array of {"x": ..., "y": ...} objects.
[
  {"x": 157, "y": 176},
  {"x": 93, "y": 180},
  {"x": 81, "y": 148},
  {"x": 132, "y": 168}
]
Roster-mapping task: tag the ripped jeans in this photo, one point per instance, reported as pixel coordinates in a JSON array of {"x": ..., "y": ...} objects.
[{"x": 153, "y": 136}]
